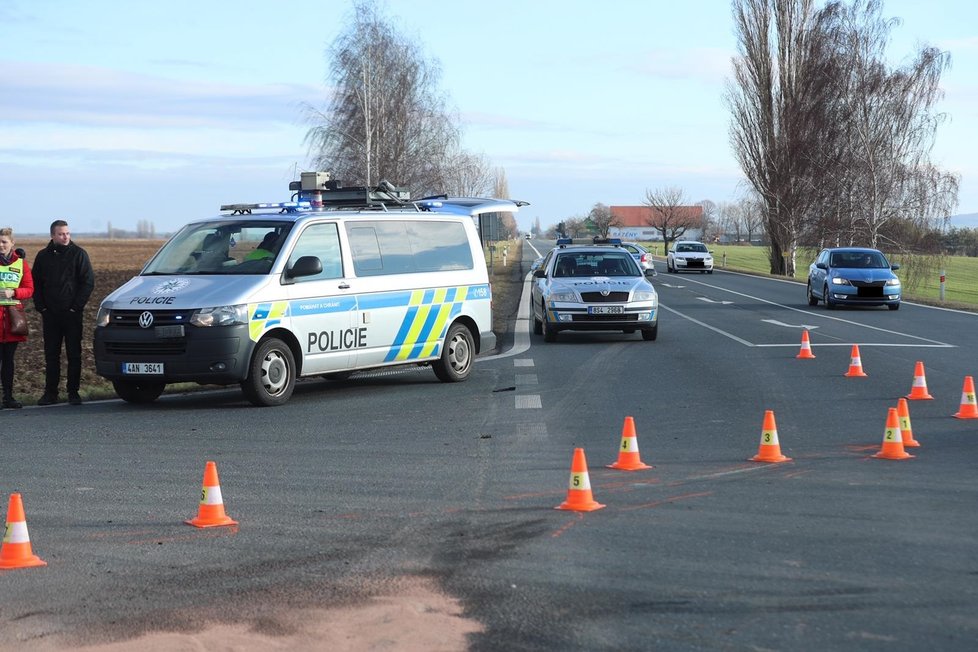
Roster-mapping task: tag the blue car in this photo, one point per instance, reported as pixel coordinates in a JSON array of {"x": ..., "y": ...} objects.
[{"x": 853, "y": 276}]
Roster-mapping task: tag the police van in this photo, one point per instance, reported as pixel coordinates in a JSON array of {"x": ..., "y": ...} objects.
[{"x": 337, "y": 280}]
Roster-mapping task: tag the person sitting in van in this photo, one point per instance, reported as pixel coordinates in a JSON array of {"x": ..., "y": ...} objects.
[
  {"x": 265, "y": 250},
  {"x": 214, "y": 253}
]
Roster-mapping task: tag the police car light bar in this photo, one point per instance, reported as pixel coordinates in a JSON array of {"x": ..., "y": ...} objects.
[
  {"x": 283, "y": 206},
  {"x": 563, "y": 242},
  {"x": 608, "y": 241}
]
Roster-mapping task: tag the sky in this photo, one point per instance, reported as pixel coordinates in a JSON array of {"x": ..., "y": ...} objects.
[{"x": 119, "y": 111}]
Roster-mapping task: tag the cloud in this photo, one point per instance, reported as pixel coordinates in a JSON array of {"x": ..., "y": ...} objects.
[{"x": 72, "y": 94}]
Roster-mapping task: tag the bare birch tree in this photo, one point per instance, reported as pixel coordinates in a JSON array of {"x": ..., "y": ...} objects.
[
  {"x": 603, "y": 219},
  {"x": 669, "y": 215},
  {"x": 387, "y": 118}
]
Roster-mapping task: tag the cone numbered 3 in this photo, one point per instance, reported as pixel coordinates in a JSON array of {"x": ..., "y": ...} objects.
[
  {"x": 16, "y": 550},
  {"x": 628, "y": 456},
  {"x": 770, "y": 448},
  {"x": 211, "y": 510},
  {"x": 579, "y": 497}
]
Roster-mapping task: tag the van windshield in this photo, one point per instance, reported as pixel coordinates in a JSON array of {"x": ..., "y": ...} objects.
[{"x": 221, "y": 247}]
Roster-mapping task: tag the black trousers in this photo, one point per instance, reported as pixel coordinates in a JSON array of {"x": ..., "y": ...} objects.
[
  {"x": 58, "y": 328},
  {"x": 7, "y": 351}
]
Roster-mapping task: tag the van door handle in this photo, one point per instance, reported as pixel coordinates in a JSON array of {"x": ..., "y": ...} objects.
[{"x": 344, "y": 286}]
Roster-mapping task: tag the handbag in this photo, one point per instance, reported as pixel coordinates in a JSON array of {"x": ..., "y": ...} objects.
[{"x": 16, "y": 321}]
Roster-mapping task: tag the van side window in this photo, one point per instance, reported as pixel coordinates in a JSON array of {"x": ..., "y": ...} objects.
[
  {"x": 322, "y": 241},
  {"x": 408, "y": 246}
]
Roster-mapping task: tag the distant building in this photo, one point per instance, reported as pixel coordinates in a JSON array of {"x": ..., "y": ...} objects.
[{"x": 637, "y": 223}]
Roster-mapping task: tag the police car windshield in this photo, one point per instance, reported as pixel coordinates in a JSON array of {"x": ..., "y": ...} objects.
[
  {"x": 221, "y": 247},
  {"x": 595, "y": 263}
]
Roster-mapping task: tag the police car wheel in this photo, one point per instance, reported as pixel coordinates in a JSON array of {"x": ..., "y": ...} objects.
[
  {"x": 537, "y": 326},
  {"x": 549, "y": 333},
  {"x": 457, "y": 355},
  {"x": 138, "y": 391},
  {"x": 650, "y": 334},
  {"x": 271, "y": 375}
]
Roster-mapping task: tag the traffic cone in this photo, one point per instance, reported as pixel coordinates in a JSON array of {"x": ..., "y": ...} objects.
[
  {"x": 919, "y": 390},
  {"x": 211, "y": 510},
  {"x": 579, "y": 498},
  {"x": 806, "y": 347},
  {"x": 906, "y": 432},
  {"x": 628, "y": 457},
  {"x": 855, "y": 364},
  {"x": 892, "y": 439},
  {"x": 968, "y": 409},
  {"x": 770, "y": 448},
  {"x": 16, "y": 551}
]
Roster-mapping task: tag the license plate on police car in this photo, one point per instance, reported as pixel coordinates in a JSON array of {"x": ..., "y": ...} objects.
[
  {"x": 605, "y": 310},
  {"x": 142, "y": 368}
]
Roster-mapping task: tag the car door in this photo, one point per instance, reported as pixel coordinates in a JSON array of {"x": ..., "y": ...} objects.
[{"x": 816, "y": 275}]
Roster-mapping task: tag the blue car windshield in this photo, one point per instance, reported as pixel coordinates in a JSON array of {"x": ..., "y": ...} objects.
[{"x": 858, "y": 260}]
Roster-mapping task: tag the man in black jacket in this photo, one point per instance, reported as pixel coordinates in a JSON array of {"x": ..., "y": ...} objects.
[{"x": 63, "y": 282}]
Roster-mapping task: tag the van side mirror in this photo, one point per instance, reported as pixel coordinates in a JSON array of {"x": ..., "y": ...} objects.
[{"x": 305, "y": 266}]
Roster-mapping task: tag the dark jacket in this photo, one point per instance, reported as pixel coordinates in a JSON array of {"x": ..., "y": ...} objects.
[{"x": 63, "y": 278}]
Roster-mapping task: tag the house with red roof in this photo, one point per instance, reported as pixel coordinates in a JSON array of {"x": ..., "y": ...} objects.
[{"x": 639, "y": 222}]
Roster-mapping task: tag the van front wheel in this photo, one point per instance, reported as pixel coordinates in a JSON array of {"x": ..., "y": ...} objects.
[
  {"x": 457, "y": 356},
  {"x": 271, "y": 375}
]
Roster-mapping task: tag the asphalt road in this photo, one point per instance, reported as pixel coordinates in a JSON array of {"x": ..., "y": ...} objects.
[{"x": 353, "y": 484}]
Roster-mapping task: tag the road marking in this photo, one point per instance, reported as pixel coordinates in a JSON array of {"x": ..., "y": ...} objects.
[
  {"x": 781, "y": 323},
  {"x": 523, "y": 362},
  {"x": 526, "y": 379},
  {"x": 670, "y": 285},
  {"x": 528, "y": 401},
  {"x": 708, "y": 300}
]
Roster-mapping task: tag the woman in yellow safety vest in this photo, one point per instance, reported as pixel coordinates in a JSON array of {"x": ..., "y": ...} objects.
[{"x": 16, "y": 284}]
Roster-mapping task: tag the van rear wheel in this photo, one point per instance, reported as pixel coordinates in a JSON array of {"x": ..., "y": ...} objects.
[
  {"x": 138, "y": 391},
  {"x": 457, "y": 356},
  {"x": 271, "y": 374}
]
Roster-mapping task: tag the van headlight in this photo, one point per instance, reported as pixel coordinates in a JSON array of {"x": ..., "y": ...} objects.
[
  {"x": 220, "y": 316},
  {"x": 103, "y": 316}
]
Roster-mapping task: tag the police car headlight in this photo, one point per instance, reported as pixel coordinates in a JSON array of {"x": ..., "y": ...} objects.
[
  {"x": 645, "y": 296},
  {"x": 220, "y": 316},
  {"x": 563, "y": 295},
  {"x": 103, "y": 317}
]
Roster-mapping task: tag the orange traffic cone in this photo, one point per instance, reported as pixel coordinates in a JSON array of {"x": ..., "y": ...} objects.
[
  {"x": 855, "y": 364},
  {"x": 806, "y": 347},
  {"x": 628, "y": 457},
  {"x": 16, "y": 551},
  {"x": 770, "y": 448},
  {"x": 211, "y": 510},
  {"x": 918, "y": 392},
  {"x": 892, "y": 439},
  {"x": 968, "y": 409},
  {"x": 906, "y": 432},
  {"x": 579, "y": 498}
]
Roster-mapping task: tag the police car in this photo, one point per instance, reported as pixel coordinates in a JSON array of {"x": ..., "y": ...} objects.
[
  {"x": 596, "y": 287},
  {"x": 337, "y": 280}
]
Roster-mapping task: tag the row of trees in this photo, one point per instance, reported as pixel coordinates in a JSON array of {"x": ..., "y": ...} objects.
[{"x": 833, "y": 139}]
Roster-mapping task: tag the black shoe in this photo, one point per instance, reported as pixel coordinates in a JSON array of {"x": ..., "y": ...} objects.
[
  {"x": 48, "y": 399},
  {"x": 10, "y": 403},
  {"x": 74, "y": 398}
]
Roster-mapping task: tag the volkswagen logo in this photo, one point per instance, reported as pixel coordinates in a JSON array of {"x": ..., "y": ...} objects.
[{"x": 146, "y": 319}]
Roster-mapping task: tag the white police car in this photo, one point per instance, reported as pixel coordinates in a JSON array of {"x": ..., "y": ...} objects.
[{"x": 596, "y": 287}]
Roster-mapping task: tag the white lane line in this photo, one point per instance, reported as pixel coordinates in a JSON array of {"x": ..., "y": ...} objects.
[
  {"x": 526, "y": 379},
  {"x": 528, "y": 401},
  {"x": 523, "y": 362},
  {"x": 705, "y": 325}
]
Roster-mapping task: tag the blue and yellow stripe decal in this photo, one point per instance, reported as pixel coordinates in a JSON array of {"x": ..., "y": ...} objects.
[
  {"x": 425, "y": 322},
  {"x": 262, "y": 316}
]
